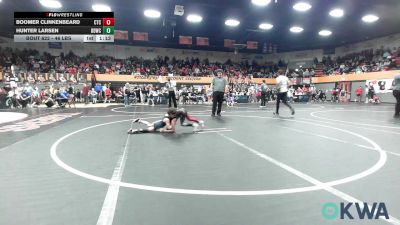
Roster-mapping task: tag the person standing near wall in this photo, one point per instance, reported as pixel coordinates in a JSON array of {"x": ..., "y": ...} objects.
[
  {"x": 85, "y": 93},
  {"x": 396, "y": 94},
  {"x": 219, "y": 85},
  {"x": 171, "y": 92},
  {"x": 359, "y": 92},
  {"x": 93, "y": 79},
  {"x": 371, "y": 91},
  {"x": 127, "y": 93},
  {"x": 366, "y": 93}
]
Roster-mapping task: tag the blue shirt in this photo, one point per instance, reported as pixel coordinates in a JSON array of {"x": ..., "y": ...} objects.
[
  {"x": 64, "y": 95},
  {"x": 25, "y": 94},
  {"x": 98, "y": 88}
]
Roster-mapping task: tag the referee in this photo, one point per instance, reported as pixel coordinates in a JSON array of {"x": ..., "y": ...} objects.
[
  {"x": 171, "y": 92},
  {"x": 219, "y": 86},
  {"x": 282, "y": 83}
]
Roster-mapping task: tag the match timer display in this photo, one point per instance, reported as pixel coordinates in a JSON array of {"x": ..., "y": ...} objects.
[{"x": 64, "y": 26}]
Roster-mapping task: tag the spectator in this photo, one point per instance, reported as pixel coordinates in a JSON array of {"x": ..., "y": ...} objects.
[
  {"x": 62, "y": 98},
  {"x": 107, "y": 95},
  {"x": 127, "y": 93},
  {"x": 371, "y": 91},
  {"x": 24, "y": 99},
  {"x": 307, "y": 73},
  {"x": 99, "y": 89},
  {"x": 78, "y": 95},
  {"x": 299, "y": 91},
  {"x": 93, "y": 95},
  {"x": 358, "y": 94},
  {"x": 85, "y": 93},
  {"x": 291, "y": 92}
]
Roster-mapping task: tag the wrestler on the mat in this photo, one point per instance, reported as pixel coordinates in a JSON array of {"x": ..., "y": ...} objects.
[
  {"x": 182, "y": 115},
  {"x": 165, "y": 125}
]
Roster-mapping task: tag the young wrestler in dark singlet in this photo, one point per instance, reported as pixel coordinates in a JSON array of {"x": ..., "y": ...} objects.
[{"x": 182, "y": 115}]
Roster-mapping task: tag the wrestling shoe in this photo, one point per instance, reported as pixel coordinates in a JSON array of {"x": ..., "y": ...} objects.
[
  {"x": 195, "y": 127},
  {"x": 201, "y": 123},
  {"x": 133, "y": 131}
]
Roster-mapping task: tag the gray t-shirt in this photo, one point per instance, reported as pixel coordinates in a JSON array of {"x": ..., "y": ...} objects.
[
  {"x": 396, "y": 82},
  {"x": 219, "y": 84},
  {"x": 264, "y": 87}
]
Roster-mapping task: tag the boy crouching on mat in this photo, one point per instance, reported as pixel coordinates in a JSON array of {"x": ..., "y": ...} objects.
[{"x": 182, "y": 114}]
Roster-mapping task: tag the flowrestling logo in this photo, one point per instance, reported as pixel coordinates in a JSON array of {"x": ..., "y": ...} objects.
[
  {"x": 36, "y": 123},
  {"x": 355, "y": 210}
]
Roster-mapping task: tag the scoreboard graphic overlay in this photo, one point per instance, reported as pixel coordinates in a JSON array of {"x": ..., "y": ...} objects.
[{"x": 64, "y": 26}]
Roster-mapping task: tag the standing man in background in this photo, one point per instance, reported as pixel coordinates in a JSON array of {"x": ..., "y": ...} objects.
[
  {"x": 359, "y": 92},
  {"x": 171, "y": 92},
  {"x": 93, "y": 79},
  {"x": 127, "y": 93},
  {"x": 396, "y": 94},
  {"x": 282, "y": 83},
  {"x": 264, "y": 89},
  {"x": 85, "y": 93},
  {"x": 371, "y": 91},
  {"x": 219, "y": 85}
]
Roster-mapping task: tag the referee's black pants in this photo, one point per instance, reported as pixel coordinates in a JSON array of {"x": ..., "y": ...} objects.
[
  {"x": 218, "y": 97},
  {"x": 282, "y": 96},
  {"x": 171, "y": 96}
]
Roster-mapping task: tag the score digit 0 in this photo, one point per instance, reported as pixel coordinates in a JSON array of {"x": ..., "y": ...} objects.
[
  {"x": 108, "y": 30},
  {"x": 108, "y": 21}
]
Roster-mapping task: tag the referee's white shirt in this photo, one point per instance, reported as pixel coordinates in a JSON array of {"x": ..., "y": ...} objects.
[{"x": 282, "y": 83}]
